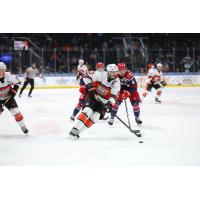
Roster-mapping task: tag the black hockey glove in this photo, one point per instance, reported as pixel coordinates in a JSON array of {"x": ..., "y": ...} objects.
[
  {"x": 108, "y": 107},
  {"x": 13, "y": 91},
  {"x": 91, "y": 90},
  {"x": 163, "y": 83}
]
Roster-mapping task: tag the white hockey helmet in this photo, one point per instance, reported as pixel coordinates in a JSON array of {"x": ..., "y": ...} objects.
[
  {"x": 159, "y": 66},
  {"x": 2, "y": 66},
  {"x": 112, "y": 68},
  {"x": 81, "y": 61}
]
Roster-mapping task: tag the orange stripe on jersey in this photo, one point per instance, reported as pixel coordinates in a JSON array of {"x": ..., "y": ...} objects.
[
  {"x": 18, "y": 117},
  {"x": 87, "y": 121}
]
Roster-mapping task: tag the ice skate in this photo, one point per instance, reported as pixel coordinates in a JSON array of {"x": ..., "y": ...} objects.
[
  {"x": 157, "y": 100},
  {"x": 111, "y": 121},
  {"x": 138, "y": 120},
  {"x": 74, "y": 133},
  {"x": 24, "y": 129},
  {"x": 72, "y": 117}
]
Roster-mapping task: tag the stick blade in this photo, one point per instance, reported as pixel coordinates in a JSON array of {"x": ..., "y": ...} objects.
[{"x": 137, "y": 133}]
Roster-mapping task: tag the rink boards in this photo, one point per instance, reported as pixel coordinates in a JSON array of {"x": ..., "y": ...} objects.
[{"x": 66, "y": 81}]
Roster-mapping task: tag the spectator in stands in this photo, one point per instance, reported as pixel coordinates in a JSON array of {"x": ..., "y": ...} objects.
[
  {"x": 85, "y": 43},
  {"x": 187, "y": 61},
  {"x": 197, "y": 64}
]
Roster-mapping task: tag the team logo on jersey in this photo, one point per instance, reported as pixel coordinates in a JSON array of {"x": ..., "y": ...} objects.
[{"x": 103, "y": 90}]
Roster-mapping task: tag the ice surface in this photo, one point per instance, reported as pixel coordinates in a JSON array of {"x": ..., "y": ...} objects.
[{"x": 170, "y": 131}]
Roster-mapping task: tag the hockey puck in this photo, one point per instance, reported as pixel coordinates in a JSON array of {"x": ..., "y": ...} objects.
[{"x": 140, "y": 141}]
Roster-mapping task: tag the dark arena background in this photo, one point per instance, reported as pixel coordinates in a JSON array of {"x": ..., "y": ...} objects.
[{"x": 59, "y": 53}]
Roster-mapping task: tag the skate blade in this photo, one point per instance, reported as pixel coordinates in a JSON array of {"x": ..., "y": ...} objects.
[
  {"x": 106, "y": 118},
  {"x": 72, "y": 138},
  {"x": 110, "y": 124}
]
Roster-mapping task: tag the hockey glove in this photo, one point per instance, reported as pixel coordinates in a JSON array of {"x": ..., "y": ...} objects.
[
  {"x": 82, "y": 89},
  {"x": 13, "y": 91},
  {"x": 91, "y": 90},
  {"x": 163, "y": 83},
  {"x": 125, "y": 94},
  {"x": 108, "y": 107}
]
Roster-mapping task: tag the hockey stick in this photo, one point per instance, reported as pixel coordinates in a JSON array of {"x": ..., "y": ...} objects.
[
  {"x": 136, "y": 132},
  {"x": 127, "y": 114},
  {"x": 6, "y": 101}
]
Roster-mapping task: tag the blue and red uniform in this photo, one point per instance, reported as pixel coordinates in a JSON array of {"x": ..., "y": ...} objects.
[{"x": 128, "y": 90}]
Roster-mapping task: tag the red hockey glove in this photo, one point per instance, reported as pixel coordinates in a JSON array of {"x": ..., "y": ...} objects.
[
  {"x": 126, "y": 94},
  {"x": 82, "y": 89}
]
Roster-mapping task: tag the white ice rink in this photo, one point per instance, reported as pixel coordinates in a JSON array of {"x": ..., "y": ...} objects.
[{"x": 171, "y": 132}]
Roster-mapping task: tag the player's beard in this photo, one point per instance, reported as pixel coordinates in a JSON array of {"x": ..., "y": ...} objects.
[{"x": 2, "y": 74}]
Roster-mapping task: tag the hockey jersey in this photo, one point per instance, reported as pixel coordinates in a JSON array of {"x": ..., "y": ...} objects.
[
  {"x": 106, "y": 89},
  {"x": 128, "y": 81},
  {"x": 81, "y": 71},
  {"x": 154, "y": 75},
  {"x": 6, "y": 84}
]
